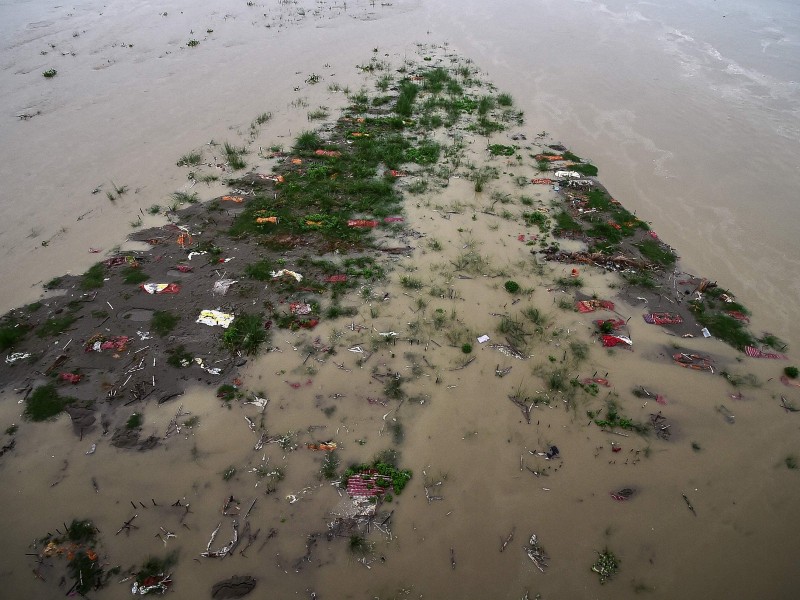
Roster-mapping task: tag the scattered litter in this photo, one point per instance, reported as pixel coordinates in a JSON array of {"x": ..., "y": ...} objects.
[
  {"x": 610, "y": 341},
  {"x": 706, "y": 333},
  {"x": 15, "y": 356},
  {"x": 536, "y": 553},
  {"x": 393, "y": 219},
  {"x": 623, "y": 495},
  {"x": 336, "y": 278},
  {"x": 548, "y": 157},
  {"x": 99, "y": 342},
  {"x": 598, "y": 380},
  {"x": 367, "y": 483},
  {"x": 91, "y": 450},
  {"x": 738, "y": 315},
  {"x": 193, "y": 254},
  {"x": 362, "y": 223},
  {"x": 756, "y": 353},
  {"x": 235, "y": 199},
  {"x": 693, "y": 361},
  {"x": 587, "y": 306},
  {"x": 542, "y": 180},
  {"x": 328, "y": 446},
  {"x": 508, "y": 350},
  {"x": 184, "y": 268},
  {"x": 116, "y": 261},
  {"x": 282, "y": 272},
  {"x": 483, "y": 339},
  {"x": 663, "y": 318},
  {"x": 70, "y": 377},
  {"x": 332, "y": 153},
  {"x": 159, "y": 584},
  {"x": 571, "y": 174},
  {"x": 185, "y": 240},
  {"x": 161, "y": 288},
  {"x": 263, "y": 220},
  {"x": 210, "y": 370},
  {"x": 300, "y": 308},
  {"x": 729, "y": 416},
  {"x": 215, "y": 317},
  {"x": 789, "y": 382},
  {"x": 221, "y": 287}
]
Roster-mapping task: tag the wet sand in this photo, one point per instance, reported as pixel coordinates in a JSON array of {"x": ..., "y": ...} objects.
[{"x": 737, "y": 482}]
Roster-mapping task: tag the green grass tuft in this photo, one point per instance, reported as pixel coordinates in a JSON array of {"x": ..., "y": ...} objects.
[{"x": 45, "y": 403}]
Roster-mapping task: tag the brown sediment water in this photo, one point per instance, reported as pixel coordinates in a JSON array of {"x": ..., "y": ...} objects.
[{"x": 463, "y": 431}]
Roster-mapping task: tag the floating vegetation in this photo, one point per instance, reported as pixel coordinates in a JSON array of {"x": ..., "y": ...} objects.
[{"x": 606, "y": 565}]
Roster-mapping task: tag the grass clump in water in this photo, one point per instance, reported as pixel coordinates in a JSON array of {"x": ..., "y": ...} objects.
[
  {"x": 190, "y": 159},
  {"x": 245, "y": 334},
  {"x": 233, "y": 156},
  {"x": 93, "y": 278},
  {"x": 606, "y": 565},
  {"x": 45, "y": 403}
]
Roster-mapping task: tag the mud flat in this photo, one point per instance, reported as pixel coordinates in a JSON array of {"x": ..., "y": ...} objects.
[{"x": 421, "y": 351}]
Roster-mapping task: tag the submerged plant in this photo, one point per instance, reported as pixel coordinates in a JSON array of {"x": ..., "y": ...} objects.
[{"x": 606, "y": 565}]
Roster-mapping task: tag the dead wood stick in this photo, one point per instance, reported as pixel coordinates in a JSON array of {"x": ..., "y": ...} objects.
[
  {"x": 689, "y": 504},
  {"x": 127, "y": 526},
  {"x": 508, "y": 539},
  {"x": 251, "y": 508}
]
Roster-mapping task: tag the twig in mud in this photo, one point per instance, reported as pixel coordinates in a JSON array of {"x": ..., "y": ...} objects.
[
  {"x": 251, "y": 537},
  {"x": 525, "y": 408},
  {"x": 247, "y": 514},
  {"x": 272, "y": 533},
  {"x": 689, "y": 504},
  {"x": 536, "y": 553},
  {"x": 465, "y": 365},
  {"x": 508, "y": 539},
  {"x": 502, "y": 372},
  {"x": 127, "y": 525},
  {"x": 225, "y": 550}
]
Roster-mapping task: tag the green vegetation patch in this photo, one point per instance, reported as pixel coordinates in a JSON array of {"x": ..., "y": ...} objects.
[
  {"x": 55, "y": 326},
  {"x": 657, "y": 252},
  {"x": 163, "y": 322},
  {"x": 245, "y": 334},
  {"x": 93, "y": 278},
  {"x": 500, "y": 150},
  {"x": 45, "y": 403}
]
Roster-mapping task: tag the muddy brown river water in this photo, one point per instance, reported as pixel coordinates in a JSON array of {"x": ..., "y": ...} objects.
[{"x": 694, "y": 132}]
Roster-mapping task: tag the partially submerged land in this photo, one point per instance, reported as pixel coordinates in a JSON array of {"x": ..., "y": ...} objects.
[{"x": 421, "y": 257}]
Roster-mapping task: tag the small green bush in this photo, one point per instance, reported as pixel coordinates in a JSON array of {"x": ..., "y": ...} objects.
[
  {"x": 791, "y": 372},
  {"x": 512, "y": 287}
]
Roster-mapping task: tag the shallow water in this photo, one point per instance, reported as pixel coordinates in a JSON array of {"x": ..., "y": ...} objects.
[{"x": 692, "y": 120}]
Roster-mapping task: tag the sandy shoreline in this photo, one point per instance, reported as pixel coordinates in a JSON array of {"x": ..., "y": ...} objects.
[{"x": 450, "y": 418}]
